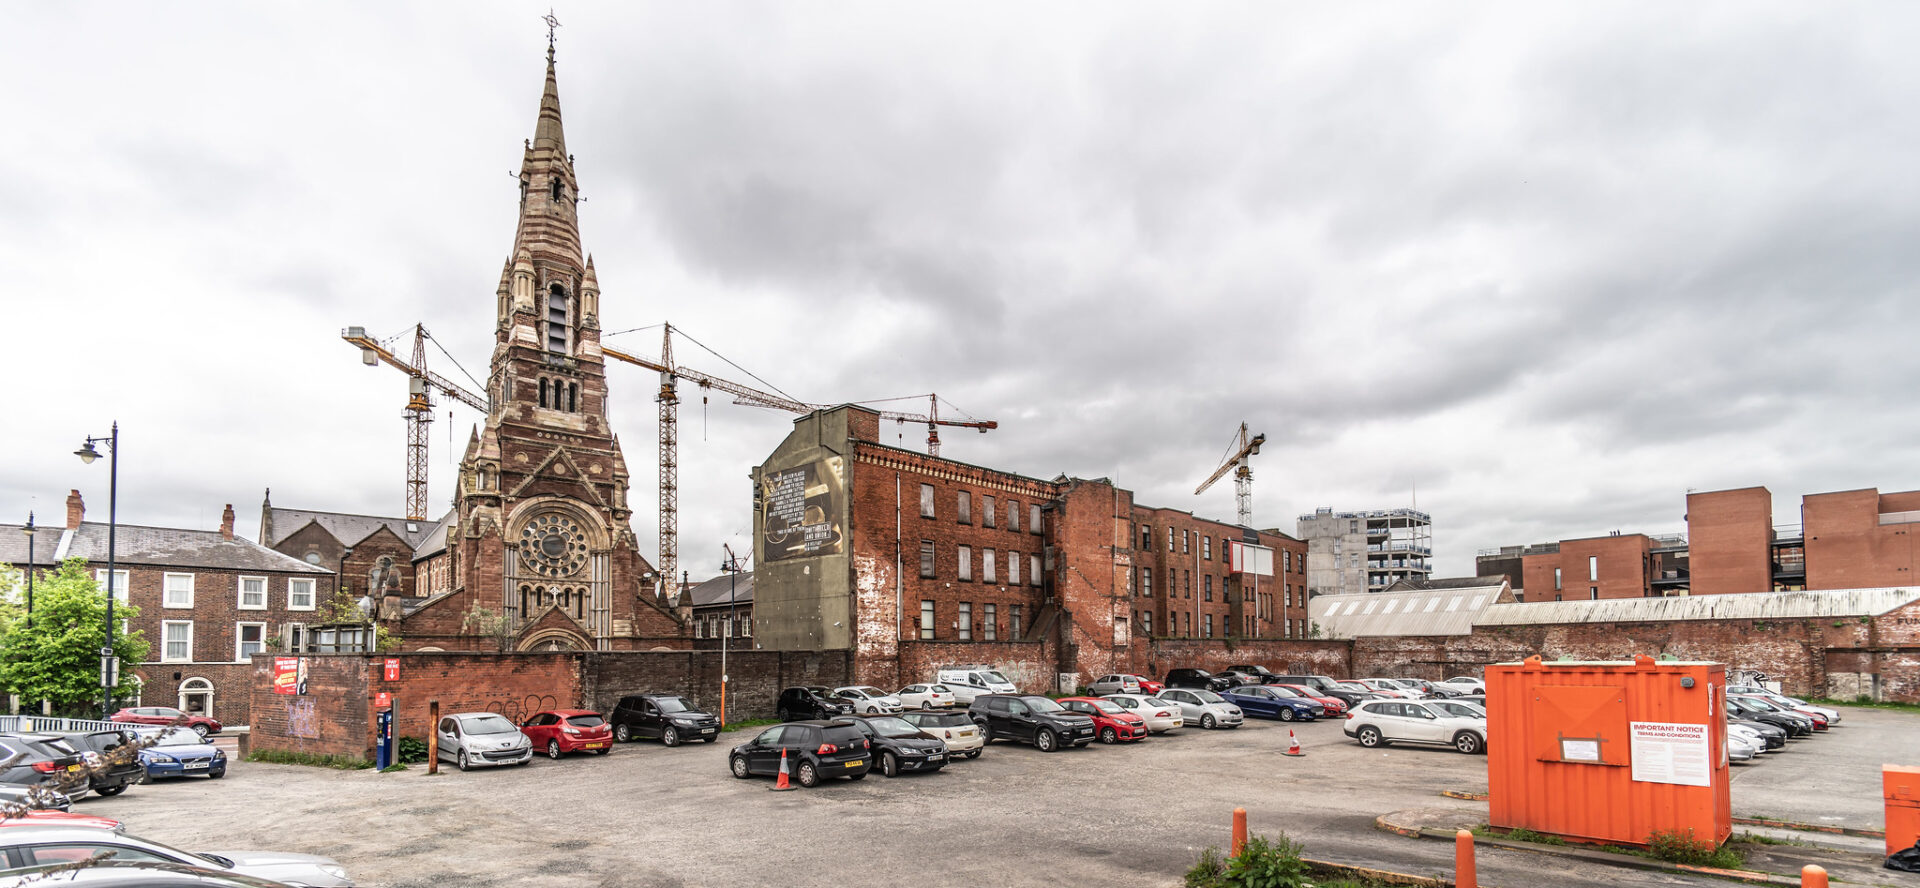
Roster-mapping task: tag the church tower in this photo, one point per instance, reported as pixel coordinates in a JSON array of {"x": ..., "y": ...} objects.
[{"x": 544, "y": 557}]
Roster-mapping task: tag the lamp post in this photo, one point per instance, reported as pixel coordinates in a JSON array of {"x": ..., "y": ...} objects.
[
  {"x": 732, "y": 567},
  {"x": 29, "y": 531},
  {"x": 87, "y": 455}
]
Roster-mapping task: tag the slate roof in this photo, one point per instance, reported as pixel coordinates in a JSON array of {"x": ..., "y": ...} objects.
[
  {"x": 349, "y": 529},
  {"x": 435, "y": 541},
  {"x": 152, "y": 547},
  {"x": 1739, "y": 606},
  {"x": 13, "y": 544},
  {"x": 1450, "y": 611},
  {"x": 714, "y": 592}
]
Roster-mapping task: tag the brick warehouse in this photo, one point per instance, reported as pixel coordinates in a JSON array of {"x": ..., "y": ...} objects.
[
  {"x": 914, "y": 561},
  {"x": 1846, "y": 540}
]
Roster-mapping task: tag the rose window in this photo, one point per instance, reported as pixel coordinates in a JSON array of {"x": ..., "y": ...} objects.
[{"x": 553, "y": 546}]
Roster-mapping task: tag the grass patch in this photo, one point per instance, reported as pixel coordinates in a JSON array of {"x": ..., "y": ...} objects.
[
  {"x": 750, "y": 723},
  {"x": 284, "y": 757},
  {"x": 1867, "y": 702},
  {"x": 1757, "y": 839},
  {"x": 396, "y": 766},
  {"x": 1675, "y": 847},
  {"x": 1518, "y": 835}
]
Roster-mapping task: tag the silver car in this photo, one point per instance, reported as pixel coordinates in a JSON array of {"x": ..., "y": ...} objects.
[
  {"x": 1118, "y": 683},
  {"x": 1204, "y": 708},
  {"x": 481, "y": 739},
  {"x": 868, "y": 700},
  {"x": 48, "y": 845}
]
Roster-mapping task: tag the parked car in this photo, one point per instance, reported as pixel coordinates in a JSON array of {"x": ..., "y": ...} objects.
[
  {"x": 1124, "y": 683},
  {"x": 1741, "y": 749},
  {"x": 60, "y": 818},
  {"x": 1479, "y": 700},
  {"x": 927, "y": 696},
  {"x": 1455, "y": 707},
  {"x": 1792, "y": 703},
  {"x": 1324, "y": 685},
  {"x": 1159, "y": 715},
  {"x": 1196, "y": 678},
  {"x": 801, "y": 703},
  {"x": 1794, "y": 724},
  {"x": 1365, "y": 693},
  {"x": 34, "y": 797},
  {"x": 1468, "y": 683},
  {"x": 968, "y": 682},
  {"x": 1747, "y": 736},
  {"x": 1772, "y": 737},
  {"x": 1819, "y": 721},
  {"x": 814, "y": 750},
  {"x": 1431, "y": 689},
  {"x": 55, "y": 766},
  {"x": 167, "y": 715},
  {"x": 1112, "y": 723},
  {"x": 1204, "y": 708},
  {"x": 1273, "y": 702},
  {"x": 1030, "y": 719},
  {"x": 132, "y": 874},
  {"x": 1380, "y": 722},
  {"x": 560, "y": 731},
  {"x": 182, "y": 754},
  {"x": 45, "y": 845},
  {"x": 870, "y": 700},
  {"x": 1388, "y": 688},
  {"x": 672, "y": 718},
  {"x": 899, "y": 745},
  {"x": 1261, "y": 674},
  {"x": 962, "y": 736},
  {"x": 113, "y": 769},
  {"x": 482, "y": 739},
  {"x": 1333, "y": 705},
  {"x": 1236, "y": 678}
]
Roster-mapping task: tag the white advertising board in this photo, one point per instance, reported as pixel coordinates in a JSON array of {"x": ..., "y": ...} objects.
[{"x": 1665, "y": 752}]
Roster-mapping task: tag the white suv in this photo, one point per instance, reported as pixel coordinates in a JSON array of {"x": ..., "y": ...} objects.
[{"x": 1379, "y": 722}]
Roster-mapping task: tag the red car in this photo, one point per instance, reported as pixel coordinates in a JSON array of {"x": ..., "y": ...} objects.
[
  {"x": 1111, "y": 723},
  {"x": 560, "y": 731},
  {"x": 62, "y": 818},
  {"x": 166, "y": 715},
  {"x": 1333, "y": 704}
]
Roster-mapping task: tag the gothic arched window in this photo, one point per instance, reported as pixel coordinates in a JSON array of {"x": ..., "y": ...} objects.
[
  {"x": 573, "y": 397},
  {"x": 557, "y": 319},
  {"x": 558, "y": 188}
]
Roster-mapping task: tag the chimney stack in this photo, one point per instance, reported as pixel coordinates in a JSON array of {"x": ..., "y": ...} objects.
[
  {"x": 76, "y": 510},
  {"x": 226, "y": 523}
]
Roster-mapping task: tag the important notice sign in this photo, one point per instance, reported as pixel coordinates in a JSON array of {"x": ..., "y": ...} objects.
[{"x": 1670, "y": 753}]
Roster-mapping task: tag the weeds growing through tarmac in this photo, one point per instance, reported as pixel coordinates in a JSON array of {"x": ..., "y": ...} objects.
[{"x": 1676, "y": 847}]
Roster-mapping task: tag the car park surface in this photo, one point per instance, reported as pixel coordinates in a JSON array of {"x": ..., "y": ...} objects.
[{"x": 1102, "y": 824}]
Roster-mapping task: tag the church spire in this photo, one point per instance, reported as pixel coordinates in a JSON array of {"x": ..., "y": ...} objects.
[{"x": 546, "y": 131}]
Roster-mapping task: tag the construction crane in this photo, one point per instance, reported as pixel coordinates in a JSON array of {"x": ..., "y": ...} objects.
[
  {"x": 668, "y": 398},
  {"x": 1240, "y": 447},
  {"x": 421, "y": 383}
]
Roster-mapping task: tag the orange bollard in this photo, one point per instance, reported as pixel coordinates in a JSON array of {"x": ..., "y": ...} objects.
[
  {"x": 1239, "y": 831},
  {"x": 1463, "y": 870},
  {"x": 1813, "y": 876}
]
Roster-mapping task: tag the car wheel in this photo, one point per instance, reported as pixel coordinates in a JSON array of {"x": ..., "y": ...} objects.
[
  {"x": 973, "y": 754},
  {"x": 710, "y": 739},
  {"x": 113, "y": 790},
  {"x": 986, "y": 732},
  {"x": 1207, "y": 721},
  {"x": 1286, "y": 714},
  {"x": 807, "y": 775},
  {"x": 738, "y": 765},
  {"x": 670, "y": 736},
  {"x": 201, "y": 730},
  {"x": 889, "y": 764},
  {"x": 622, "y": 733},
  {"x": 1109, "y": 735},
  {"x": 603, "y": 750},
  {"x": 860, "y": 776},
  {"x": 462, "y": 761},
  {"x": 1369, "y": 737},
  {"x": 1468, "y": 743},
  {"x": 1045, "y": 741},
  {"x": 783, "y": 714},
  {"x": 553, "y": 750},
  {"x": 926, "y": 705}
]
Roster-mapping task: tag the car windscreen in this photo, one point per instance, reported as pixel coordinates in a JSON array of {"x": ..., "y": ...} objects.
[
  {"x": 893, "y": 727},
  {"x": 1042, "y": 704},
  {"x": 1109, "y": 707},
  {"x": 1745, "y": 706},
  {"x": 1207, "y": 696},
  {"x": 586, "y": 721},
  {"x": 869, "y": 691},
  {"x": 1284, "y": 693},
  {"x": 1155, "y": 701},
  {"x": 1354, "y": 686},
  {"x": 181, "y": 738},
  {"x": 995, "y": 677},
  {"x": 486, "y": 724},
  {"x": 673, "y": 704}
]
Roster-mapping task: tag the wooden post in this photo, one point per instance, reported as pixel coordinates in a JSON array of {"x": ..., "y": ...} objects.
[
  {"x": 1464, "y": 875},
  {"x": 433, "y": 736},
  {"x": 1813, "y": 876},
  {"x": 1239, "y": 831}
]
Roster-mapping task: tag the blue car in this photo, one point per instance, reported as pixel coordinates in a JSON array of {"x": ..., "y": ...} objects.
[
  {"x": 182, "y": 753},
  {"x": 1272, "y": 702}
]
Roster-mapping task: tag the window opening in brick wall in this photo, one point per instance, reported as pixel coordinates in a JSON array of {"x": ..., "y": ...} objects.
[
  {"x": 1013, "y": 568},
  {"x": 966, "y": 621},
  {"x": 1033, "y": 570},
  {"x": 179, "y": 590},
  {"x": 986, "y": 566},
  {"x": 300, "y": 595},
  {"x": 1206, "y": 548},
  {"x": 926, "y": 501},
  {"x": 1146, "y": 582},
  {"x": 1013, "y": 516},
  {"x": 926, "y": 619},
  {"x": 926, "y": 559},
  {"x": 1013, "y": 621},
  {"x": 1209, "y": 585},
  {"x": 1033, "y": 519},
  {"x": 178, "y": 641},
  {"x": 557, "y": 319},
  {"x": 966, "y": 563},
  {"x": 988, "y": 618},
  {"x": 986, "y": 511},
  {"x": 965, "y": 507}
]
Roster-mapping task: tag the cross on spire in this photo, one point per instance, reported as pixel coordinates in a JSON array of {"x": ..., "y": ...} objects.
[{"x": 552, "y": 23}]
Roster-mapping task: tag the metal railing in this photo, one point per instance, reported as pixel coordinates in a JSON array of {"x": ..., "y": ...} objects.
[{"x": 40, "y": 724}]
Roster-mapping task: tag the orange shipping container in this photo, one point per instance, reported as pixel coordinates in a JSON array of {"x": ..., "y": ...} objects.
[{"x": 1608, "y": 752}]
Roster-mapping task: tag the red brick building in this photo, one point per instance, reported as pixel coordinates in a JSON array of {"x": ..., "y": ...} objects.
[
  {"x": 913, "y": 561},
  {"x": 208, "y": 601},
  {"x": 1850, "y": 539}
]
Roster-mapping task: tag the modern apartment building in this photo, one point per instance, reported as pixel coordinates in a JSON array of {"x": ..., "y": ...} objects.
[{"x": 1349, "y": 552}]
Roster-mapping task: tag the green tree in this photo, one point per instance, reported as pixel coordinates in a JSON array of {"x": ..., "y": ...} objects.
[{"x": 57, "y": 657}]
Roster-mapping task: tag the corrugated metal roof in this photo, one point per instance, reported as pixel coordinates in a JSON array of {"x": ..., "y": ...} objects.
[
  {"x": 1448, "y": 611},
  {"x": 1744, "y": 606}
]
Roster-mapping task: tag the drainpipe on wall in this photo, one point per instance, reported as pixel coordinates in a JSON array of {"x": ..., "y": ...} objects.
[{"x": 899, "y": 603}]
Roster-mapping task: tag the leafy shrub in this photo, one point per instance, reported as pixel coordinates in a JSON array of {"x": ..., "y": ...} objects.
[
  {"x": 1264, "y": 863},
  {"x": 410, "y": 750},
  {"x": 1675, "y": 847}
]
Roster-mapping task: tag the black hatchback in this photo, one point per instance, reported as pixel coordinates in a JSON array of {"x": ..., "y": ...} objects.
[
  {"x": 811, "y": 702},
  {"x": 672, "y": 718},
  {"x": 119, "y": 759},
  {"x": 43, "y": 760},
  {"x": 813, "y": 750},
  {"x": 1199, "y": 679},
  {"x": 899, "y": 745}
]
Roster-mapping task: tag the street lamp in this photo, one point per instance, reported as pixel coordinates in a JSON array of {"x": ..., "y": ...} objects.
[
  {"x": 87, "y": 455},
  {"x": 732, "y": 567},
  {"x": 29, "y": 531}
]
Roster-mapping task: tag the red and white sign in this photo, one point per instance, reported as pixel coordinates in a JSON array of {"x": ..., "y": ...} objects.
[
  {"x": 1249, "y": 558},
  {"x": 1665, "y": 752},
  {"x": 392, "y": 671},
  {"x": 382, "y": 700}
]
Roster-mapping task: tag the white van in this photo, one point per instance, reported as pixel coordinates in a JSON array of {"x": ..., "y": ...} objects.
[{"x": 969, "y": 682}]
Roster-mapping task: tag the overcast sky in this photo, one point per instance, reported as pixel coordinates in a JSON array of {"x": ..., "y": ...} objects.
[{"x": 1551, "y": 265}]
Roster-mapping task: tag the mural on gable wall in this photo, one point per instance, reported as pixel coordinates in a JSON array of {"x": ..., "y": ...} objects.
[{"x": 801, "y": 510}]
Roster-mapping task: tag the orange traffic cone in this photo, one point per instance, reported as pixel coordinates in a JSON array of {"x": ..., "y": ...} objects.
[
  {"x": 1293, "y": 744},
  {"x": 781, "y": 783}
]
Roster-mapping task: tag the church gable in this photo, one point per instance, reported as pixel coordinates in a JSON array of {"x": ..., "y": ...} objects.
[{"x": 559, "y": 475}]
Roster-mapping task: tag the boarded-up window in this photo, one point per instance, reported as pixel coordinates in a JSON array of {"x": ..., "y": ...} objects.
[
  {"x": 986, "y": 511},
  {"x": 986, "y": 566},
  {"x": 966, "y": 507},
  {"x": 1033, "y": 570},
  {"x": 966, "y": 563},
  {"x": 1013, "y": 515},
  {"x": 1013, "y": 568},
  {"x": 926, "y": 558},
  {"x": 926, "y": 501}
]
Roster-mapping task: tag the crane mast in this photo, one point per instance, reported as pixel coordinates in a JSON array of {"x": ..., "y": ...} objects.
[
  {"x": 1241, "y": 448},
  {"x": 421, "y": 384}
]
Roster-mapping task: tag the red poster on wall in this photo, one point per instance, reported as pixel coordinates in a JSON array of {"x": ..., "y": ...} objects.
[
  {"x": 286, "y": 675},
  {"x": 392, "y": 672},
  {"x": 382, "y": 700}
]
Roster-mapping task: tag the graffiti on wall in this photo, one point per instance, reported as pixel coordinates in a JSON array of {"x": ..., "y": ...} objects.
[
  {"x": 302, "y": 720},
  {"x": 516, "y": 709}
]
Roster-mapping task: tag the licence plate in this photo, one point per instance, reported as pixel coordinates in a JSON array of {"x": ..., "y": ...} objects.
[
  {"x": 192, "y": 765},
  {"x": 592, "y": 745},
  {"x": 854, "y": 764},
  {"x": 966, "y": 733},
  {"x": 936, "y": 757},
  {"x": 73, "y": 767},
  {"x": 706, "y": 730}
]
